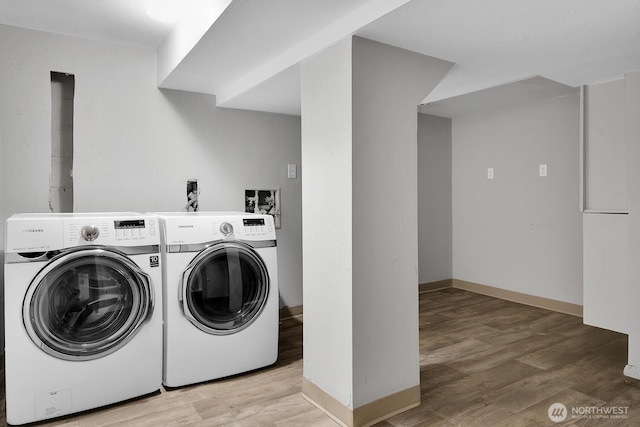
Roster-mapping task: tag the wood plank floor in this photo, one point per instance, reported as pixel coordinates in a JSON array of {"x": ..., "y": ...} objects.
[{"x": 484, "y": 362}]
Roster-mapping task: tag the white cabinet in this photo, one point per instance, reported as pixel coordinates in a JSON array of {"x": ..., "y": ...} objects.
[
  {"x": 605, "y": 147},
  {"x": 605, "y": 250},
  {"x": 605, "y": 206}
]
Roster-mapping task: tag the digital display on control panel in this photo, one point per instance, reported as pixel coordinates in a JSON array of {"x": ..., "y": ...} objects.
[
  {"x": 253, "y": 222},
  {"x": 129, "y": 223}
]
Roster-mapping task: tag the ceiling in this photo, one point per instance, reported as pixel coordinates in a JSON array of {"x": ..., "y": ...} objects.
[{"x": 247, "y": 52}]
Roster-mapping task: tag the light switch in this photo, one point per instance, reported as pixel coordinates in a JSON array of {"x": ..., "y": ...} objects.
[
  {"x": 490, "y": 173},
  {"x": 542, "y": 170},
  {"x": 292, "y": 171}
]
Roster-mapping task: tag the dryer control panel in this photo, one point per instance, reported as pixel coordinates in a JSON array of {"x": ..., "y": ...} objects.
[{"x": 201, "y": 227}]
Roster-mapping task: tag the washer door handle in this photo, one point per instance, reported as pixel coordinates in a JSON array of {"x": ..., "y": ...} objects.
[{"x": 182, "y": 289}]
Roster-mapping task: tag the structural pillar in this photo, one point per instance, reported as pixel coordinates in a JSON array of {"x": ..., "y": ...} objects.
[
  {"x": 359, "y": 213},
  {"x": 633, "y": 196}
]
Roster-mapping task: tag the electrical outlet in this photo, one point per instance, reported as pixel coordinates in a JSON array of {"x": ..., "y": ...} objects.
[{"x": 490, "y": 173}]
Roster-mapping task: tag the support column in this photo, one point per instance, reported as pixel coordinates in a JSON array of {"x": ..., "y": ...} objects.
[
  {"x": 359, "y": 211},
  {"x": 633, "y": 196}
]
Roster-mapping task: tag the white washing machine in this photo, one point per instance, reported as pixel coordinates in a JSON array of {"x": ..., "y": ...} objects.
[
  {"x": 221, "y": 295},
  {"x": 83, "y": 313}
]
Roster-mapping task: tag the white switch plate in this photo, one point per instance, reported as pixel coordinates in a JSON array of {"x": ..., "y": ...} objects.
[
  {"x": 292, "y": 171},
  {"x": 542, "y": 170},
  {"x": 490, "y": 173}
]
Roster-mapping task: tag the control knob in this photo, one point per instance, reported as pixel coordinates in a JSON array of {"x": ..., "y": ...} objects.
[
  {"x": 90, "y": 233},
  {"x": 226, "y": 228}
]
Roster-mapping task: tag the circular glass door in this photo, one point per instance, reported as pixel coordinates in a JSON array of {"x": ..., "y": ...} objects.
[
  {"x": 225, "y": 288},
  {"x": 87, "y": 303}
]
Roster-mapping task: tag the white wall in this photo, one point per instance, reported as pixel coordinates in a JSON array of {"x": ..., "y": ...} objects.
[
  {"x": 136, "y": 145},
  {"x": 519, "y": 232},
  {"x": 434, "y": 198}
]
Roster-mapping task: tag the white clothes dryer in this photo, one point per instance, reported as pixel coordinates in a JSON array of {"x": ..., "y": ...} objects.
[
  {"x": 83, "y": 312},
  {"x": 221, "y": 295}
]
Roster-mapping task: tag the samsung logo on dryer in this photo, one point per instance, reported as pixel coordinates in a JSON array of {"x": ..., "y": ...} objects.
[
  {"x": 33, "y": 230},
  {"x": 186, "y": 226}
]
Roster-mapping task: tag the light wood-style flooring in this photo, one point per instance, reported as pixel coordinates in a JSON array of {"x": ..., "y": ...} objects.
[{"x": 484, "y": 362}]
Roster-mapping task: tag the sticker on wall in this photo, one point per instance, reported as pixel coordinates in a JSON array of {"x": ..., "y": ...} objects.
[
  {"x": 192, "y": 196},
  {"x": 263, "y": 202}
]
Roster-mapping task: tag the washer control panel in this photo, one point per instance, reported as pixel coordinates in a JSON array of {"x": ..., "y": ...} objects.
[
  {"x": 257, "y": 227},
  {"x": 117, "y": 231},
  {"x": 134, "y": 229},
  {"x": 48, "y": 232}
]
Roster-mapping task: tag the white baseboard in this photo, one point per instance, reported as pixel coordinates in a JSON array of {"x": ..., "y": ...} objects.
[
  {"x": 535, "y": 301},
  {"x": 632, "y": 371}
]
